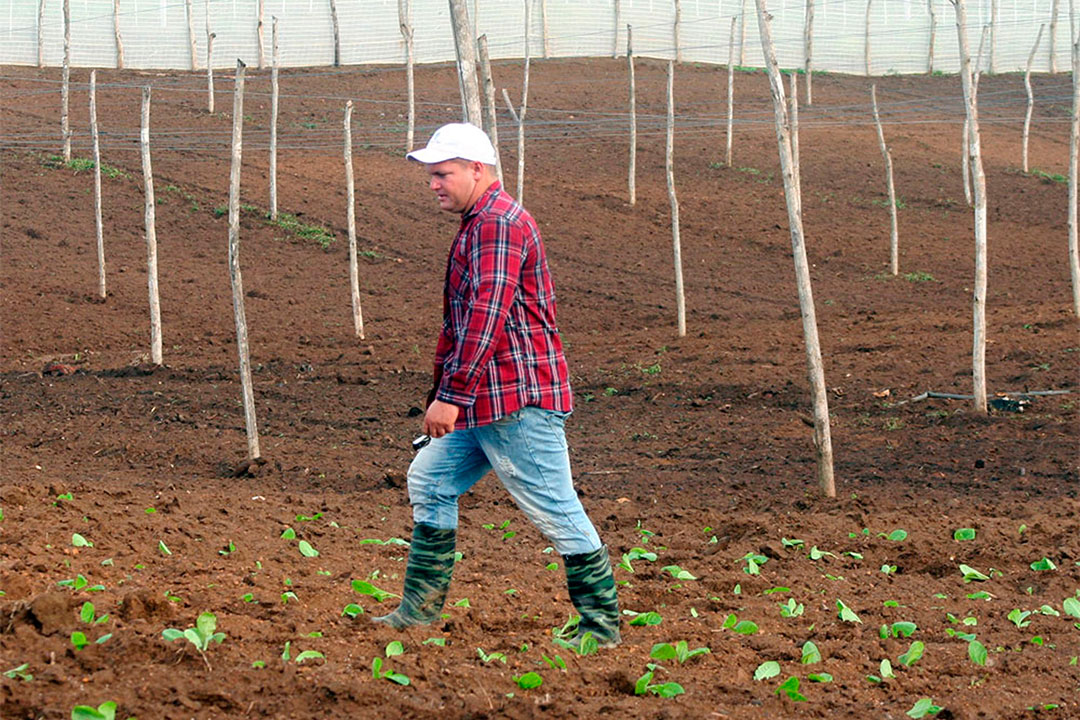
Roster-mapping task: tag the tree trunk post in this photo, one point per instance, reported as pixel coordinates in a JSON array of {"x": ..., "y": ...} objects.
[
  {"x": 933, "y": 38},
  {"x": 742, "y": 34},
  {"x": 615, "y": 34},
  {"x": 491, "y": 125},
  {"x": 337, "y": 33},
  {"x": 676, "y": 28},
  {"x": 793, "y": 117},
  {"x": 808, "y": 45},
  {"x": 975, "y": 154},
  {"x": 730, "y": 93},
  {"x": 866, "y": 40},
  {"x": 190, "y": 14},
  {"x": 116, "y": 35},
  {"x": 822, "y": 437},
  {"x": 274, "y": 95},
  {"x": 894, "y": 234},
  {"x": 1074, "y": 179},
  {"x": 234, "y": 266},
  {"x": 209, "y": 63},
  {"x": 1053, "y": 35},
  {"x": 98, "y": 227},
  {"x": 350, "y": 193},
  {"x": 151, "y": 232},
  {"x": 632, "y": 171},
  {"x": 41, "y": 34},
  {"x": 680, "y": 298},
  {"x": 1030, "y": 99},
  {"x": 405, "y": 23},
  {"x": 259, "y": 34},
  {"x": 544, "y": 28},
  {"x": 992, "y": 67},
  {"x": 466, "y": 61},
  {"x": 65, "y": 88}
]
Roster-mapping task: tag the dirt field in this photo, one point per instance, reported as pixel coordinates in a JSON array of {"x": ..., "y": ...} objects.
[{"x": 695, "y": 449}]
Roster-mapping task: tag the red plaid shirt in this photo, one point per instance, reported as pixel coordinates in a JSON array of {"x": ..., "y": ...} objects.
[{"x": 499, "y": 349}]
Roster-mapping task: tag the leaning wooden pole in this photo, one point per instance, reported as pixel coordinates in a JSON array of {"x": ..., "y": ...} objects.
[
  {"x": 405, "y": 23},
  {"x": 866, "y": 41},
  {"x": 65, "y": 88},
  {"x": 260, "y": 14},
  {"x": 337, "y": 33},
  {"x": 730, "y": 93},
  {"x": 793, "y": 117},
  {"x": 41, "y": 34},
  {"x": 466, "y": 61},
  {"x": 808, "y": 50},
  {"x": 274, "y": 95},
  {"x": 116, "y": 36},
  {"x": 894, "y": 234},
  {"x": 974, "y": 148},
  {"x": 491, "y": 125},
  {"x": 933, "y": 38},
  {"x": 1030, "y": 99},
  {"x": 151, "y": 232},
  {"x": 209, "y": 63},
  {"x": 1074, "y": 179},
  {"x": 350, "y": 193},
  {"x": 632, "y": 169},
  {"x": 544, "y": 28},
  {"x": 523, "y": 110},
  {"x": 680, "y": 297},
  {"x": 98, "y": 227},
  {"x": 192, "y": 52},
  {"x": 676, "y": 31},
  {"x": 742, "y": 34},
  {"x": 615, "y": 32},
  {"x": 234, "y": 266},
  {"x": 1052, "y": 38},
  {"x": 822, "y": 434},
  {"x": 992, "y": 63}
]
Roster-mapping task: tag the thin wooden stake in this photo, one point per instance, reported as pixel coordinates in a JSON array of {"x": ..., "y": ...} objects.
[
  {"x": 894, "y": 235},
  {"x": 866, "y": 41},
  {"x": 234, "y": 266},
  {"x": 632, "y": 170},
  {"x": 969, "y": 81},
  {"x": 822, "y": 435},
  {"x": 793, "y": 117},
  {"x": 274, "y": 62},
  {"x": 680, "y": 298},
  {"x": 99, "y": 228},
  {"x": 730, "y": 92},
  {"x": 1053, "y": 35},
  {"x": 350, "y": 192},
  {"x": 151, "y": 232},
  {"x": 41, "y": 34},
  {"x": 1074, "y": 179},
  {"x": 966, "y": 163},
  {"x": 190, "y": 15},
  {"x": 519, "y": 115},
  {"x": 65, "y": 88},
  {"x": 405, "y": 23},
  {"x": 116, "y": 35},
  {"x": 544, "y": 28},
  {"x": 1030, "y": 98},
  {"x": 491, "y": 125},
  {"x": 209, "y": 63},
  {"x": 615, "y": 34},
  {"x": 337, "y": 33},
  {"x": 808, "y": 49},
  {"x": 675, "y": 31},
  {"x": 992, "y": 67},
  {"x": 466, "y": 61},
  {"x": 933, "y": 38},
  {"x": 259, "y": 34},
  {"x": 742, "y": 34}
]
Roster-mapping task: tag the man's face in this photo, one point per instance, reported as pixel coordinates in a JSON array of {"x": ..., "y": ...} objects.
[{"x": 454, "y": 183}]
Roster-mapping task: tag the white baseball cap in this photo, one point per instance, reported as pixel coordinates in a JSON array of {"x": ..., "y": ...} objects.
[{"x": 456, "y": 140}]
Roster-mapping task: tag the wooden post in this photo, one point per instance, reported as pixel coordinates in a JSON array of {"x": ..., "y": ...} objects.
[
  {"x": 116, "y": 35},
  {"x": 822, "y": 435},
  {"x": 742, "y": 34},
  {"x": 975, "y": 153},
  {"x": 992, "y": 68},
  {"x": 190, "y": 15},
  {"x": 209, "y": 63},
  {"x": 793, "y": 117},
  {"x": 259, "y": 34},
  {"x": 41, "y": 34},
  {"x": 680, "y": 298},
  {"x": 491, "y": 125},
  {"x": 968, "y": 195},
  {"x": 519, "y": 115},
  {"x": 808, "y": 50},
  {"x": 866, "y": 41},
  {"x": 466, "y": 60},
  {"x": 675, "y": 31},
  {"x": 894, "y": 235},
  {"x": 632, "y": 172},
  {"x": 350, "y": 192},
  {"x": 933, "y": 38},
  {"x": 1030, "y": 98},
  {"x": 615, "y": 34},
  {"x": 234, "y": 265},
  {"x": 337, "y": 33},
  {"x": 405, "y": 23},
  {"x": 151, "y": 232},
  {"x": 544, "y": 28},
  {"x": 730, "y": 92},
  {"x": 100, "y": 230},
  {"x": 1074, "y": 179},
  {"x": 274, "y": 62},
  {"x": 1053, "y": 35},
  {"x": 65, "y": 88}
]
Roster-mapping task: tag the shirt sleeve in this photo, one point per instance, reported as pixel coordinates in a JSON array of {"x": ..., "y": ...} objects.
[{"x": 495, "y": 252}]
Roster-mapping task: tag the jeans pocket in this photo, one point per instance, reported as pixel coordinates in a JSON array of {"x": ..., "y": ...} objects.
[{"x": 510, "y": 419}]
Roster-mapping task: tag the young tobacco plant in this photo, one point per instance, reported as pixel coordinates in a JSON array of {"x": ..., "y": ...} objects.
[
  {"x": 200, "y": 636},
  {"x": 679, "y": 651}
]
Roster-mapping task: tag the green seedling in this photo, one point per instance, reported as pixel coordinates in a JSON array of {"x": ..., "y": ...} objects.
[
  {"x": 923, "y": 707},
  {"x": 772, "y": 591},
  {"x": 553, "y": 566},
  {"x": 851, "y": 554},
  {"x": 1048, "y": 610},
  {"x": 287, "y": 596},
  {"x": 1071, "y": 606},
  {"x": 745, "y": 627},
  {"x": 306, "y": 549},
  {"x": 846, "y": 613},
  {"x": 394, "y": 648},
  {"x": 679, "y": 651},
  {"x": 227, "y": 550},
  {"x": 791, "y": 608},
  {"x": 885, "y": 668},
  {"x": 309, "y": 655},
  {"x": 646, "y": 618},
  {"x": 352, "y": 610},
  {"x": 529, "y": 680},
  {"x": 379, "y": 674},
  {"x": 308, "y": 518},
  {"x": 645, "y": 534},
  {"x": 163, "y": 548},
  {"x": 898, "y": 535},
  {"x": 1019, "y": 618},
  {"x": 488, "y": 657},
  {"x": 678, "y": 573},
  {"x": 104, "y": 711},
  {"x": 288, "y": 534},
  {"x": 980, "y": 595},
  {"x": 819, "y": 677},
  {"x": 810, "y": 653},
  {"x": 816, "y": 554},
  {"x": 441, "y": 642},
  {"x": 888, "y": 569},
  {"x": 792, "y": 543},
  {"x": 569, "y": 628},
  {"x": 966, "y": 637},
  {"x": 365, "y": 588},
  {"x": 964, "y": 534},
  {"x": 64, "y": 496},
  {"x": 463, "y": 603},
  {"x": 19, "y": 673},
  {"x": 556, "y": 663},
  {"x": 644, "y": 684},
  {"x": 635, "y": 554},
  {"x": 249, "y": 598},
  {"x": 971, "y": 574},
  {"x": 78, "y": 583},
  {"x": 753, "y": 563},
  {"x": 79, "y": 541},
  {"x": 1043, "y": 565},
  {"x": 200, "y": 636},
  {"x": 766, "y": 670},
  {"x": 388, "y": 541},
  {"x": 913, "y": 654},
  {"x": 903, "y": 629},
  {"x": 790, "y": 687},
  {"x": 86, "y": 614}
]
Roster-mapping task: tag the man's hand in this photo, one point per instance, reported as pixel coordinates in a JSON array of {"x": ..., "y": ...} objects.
[{"x": 440, "y": 418}]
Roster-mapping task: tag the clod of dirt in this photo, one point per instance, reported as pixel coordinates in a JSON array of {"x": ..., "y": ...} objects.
[
  {"x": 143, "y": 605},
  {"x": 14, "y": 495},
  {"x": 56, "y": 369},
  {"x": 51, "y": 611},
  {"x": 249, "y": 468}
]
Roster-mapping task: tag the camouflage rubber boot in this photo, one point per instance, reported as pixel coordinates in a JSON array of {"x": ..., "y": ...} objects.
[
  {"x": 427, "y": 578},
  {"x": 592, "y": 590}
]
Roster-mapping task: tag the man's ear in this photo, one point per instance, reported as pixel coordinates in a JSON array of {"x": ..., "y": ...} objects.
[{"x": 478, "y": 169}]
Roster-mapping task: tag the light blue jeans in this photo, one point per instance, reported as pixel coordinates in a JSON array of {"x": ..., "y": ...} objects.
[{"x": 527, "y": 449}]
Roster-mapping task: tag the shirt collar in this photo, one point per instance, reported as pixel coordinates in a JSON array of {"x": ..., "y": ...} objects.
[{"x": 483, "y": 202}]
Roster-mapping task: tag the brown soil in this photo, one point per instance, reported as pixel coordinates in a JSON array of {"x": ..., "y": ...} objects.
[{"x": 701, "y": 441}]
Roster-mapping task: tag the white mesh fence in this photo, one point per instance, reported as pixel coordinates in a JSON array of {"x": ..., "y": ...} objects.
[{"x": 155, "y": 33}]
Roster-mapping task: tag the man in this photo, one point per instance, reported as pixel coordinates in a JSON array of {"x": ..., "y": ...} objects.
[{"x": 501, "y": 393}]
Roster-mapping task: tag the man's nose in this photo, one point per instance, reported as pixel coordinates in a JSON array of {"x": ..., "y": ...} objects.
[{"x": 434, "y": 184}]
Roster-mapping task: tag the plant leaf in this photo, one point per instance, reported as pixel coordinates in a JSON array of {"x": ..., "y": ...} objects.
[
  {"x": 306, "y": 549},
  {"x": 898, "y": 535},
  {"x": 1044, "y": 564},
  {"x": 86, "y": 614},
  {"x": 172, "y": 634},
  {"x": 667, "y": 690},
  {"x": 79, "y": 541},
  {"x": 746, "y": 627},
  {"x": 964, "y": 534},
  {"x": 394, "y": 648},
  {"x": 663, "y": 651},
  {"x": 766, "y": 670},
  {"x": 913, "y": 654},
  {"x": 903, "y": 629},
  {"x": 971, "y": 574},
  {"x": 529, "y": 680},
  {"x": 977, "y": 652},
  {"x": 810, "y": 653},
  {"x": 846, "y": 613},
  {"x": 310, "y": 655}
]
